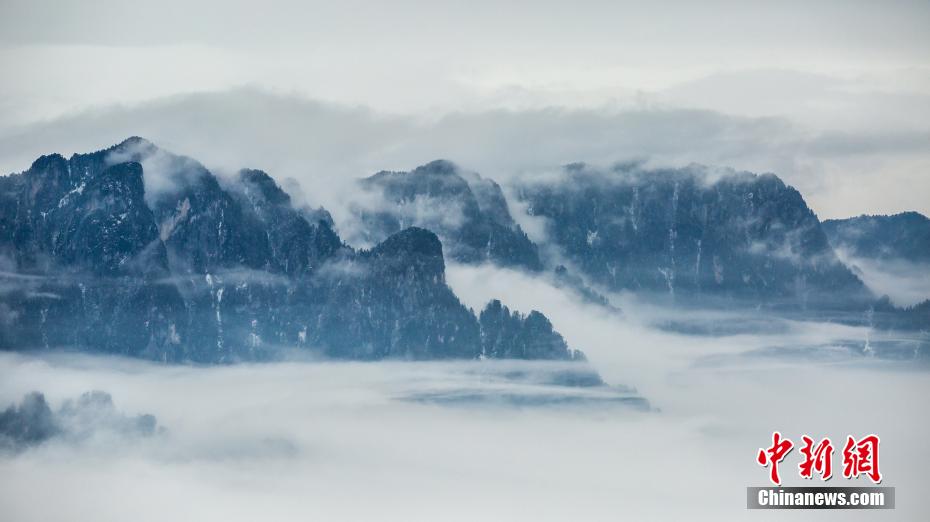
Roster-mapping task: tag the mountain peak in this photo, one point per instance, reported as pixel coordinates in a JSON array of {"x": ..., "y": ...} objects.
[
  {"x": 265, "y": 185},
  {"x": 133, "y": 147},
  {"x": 43, "y": 163},
  {"x": 135, "y": 141},
  {"x": 439, "y": 166},
  {"x": 413, "y": 240}
]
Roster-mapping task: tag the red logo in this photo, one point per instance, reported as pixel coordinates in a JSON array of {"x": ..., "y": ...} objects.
[
  {"x": 819, "y": 458},
  {"x": 860, "y": 457},
  {"x": 773, "y": 455}
]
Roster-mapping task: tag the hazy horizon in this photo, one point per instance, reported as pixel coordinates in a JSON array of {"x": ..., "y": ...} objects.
[{"x": 834, "y": 97}]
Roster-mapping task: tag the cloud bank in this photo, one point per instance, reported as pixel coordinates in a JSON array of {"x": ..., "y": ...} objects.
[
  {"x": 325, "y": 146},
  {"x": 352, "y": 441}
]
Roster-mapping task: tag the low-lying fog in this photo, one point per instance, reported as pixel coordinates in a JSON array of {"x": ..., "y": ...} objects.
[
  {"x": 428, "y": 441},
  {"x": 906, "y": 283}
]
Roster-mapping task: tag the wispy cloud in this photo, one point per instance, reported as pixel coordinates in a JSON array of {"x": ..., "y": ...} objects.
[{"x": 326, "y": 147}]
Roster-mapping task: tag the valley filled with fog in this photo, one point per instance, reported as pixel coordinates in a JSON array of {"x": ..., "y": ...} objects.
[{"x": 674, "y": 434}]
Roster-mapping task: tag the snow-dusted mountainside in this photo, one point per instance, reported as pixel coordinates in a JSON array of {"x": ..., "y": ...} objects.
[
  {"x": 904, "y": 236},
  {"x": 468, "y": 213},
  {"x": 698, "y": 235},
  {"x": 135, "y": 251},
  {"x": 692, "y": 232}
]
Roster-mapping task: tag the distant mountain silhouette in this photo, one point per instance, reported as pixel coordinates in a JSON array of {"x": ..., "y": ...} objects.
[{"x": 904, "y": 236}]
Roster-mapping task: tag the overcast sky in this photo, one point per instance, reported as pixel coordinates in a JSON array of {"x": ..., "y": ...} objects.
[{"x": 832, "y": 96}]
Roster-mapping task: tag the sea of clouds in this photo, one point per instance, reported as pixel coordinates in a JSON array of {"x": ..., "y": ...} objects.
[{"x": 361, "y": 441}]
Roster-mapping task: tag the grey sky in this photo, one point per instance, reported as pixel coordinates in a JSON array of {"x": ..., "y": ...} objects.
[{"x": 837, "y": 93}]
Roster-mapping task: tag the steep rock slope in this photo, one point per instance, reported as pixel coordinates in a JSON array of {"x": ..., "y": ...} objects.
[
  {"x": 691, "y": 232},
  {"x": 469, "y": 213},
  {"x": 135, "y": 251}
]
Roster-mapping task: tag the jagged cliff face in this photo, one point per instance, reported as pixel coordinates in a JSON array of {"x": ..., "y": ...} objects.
[
  {"x": 468, "y": 212},
  {"x": 135, "y": 251},
  {"x": 904, "y": 236},
  {"x": 56, "y": 216},
  {"x": 684, "y": 233}
]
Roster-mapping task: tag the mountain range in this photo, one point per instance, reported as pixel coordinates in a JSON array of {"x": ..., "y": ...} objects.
[
  {"x": 185, "y": 266},
  {"x": 136, "y": 251},
  {"x": 691, "y": 236}
]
